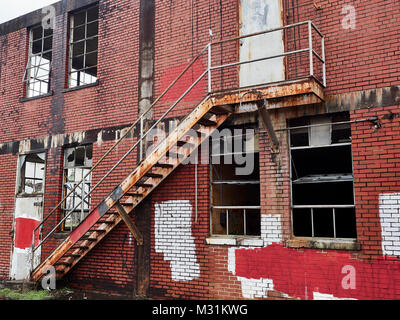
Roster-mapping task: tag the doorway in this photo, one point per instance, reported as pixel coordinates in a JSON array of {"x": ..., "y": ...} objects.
[{"x": 28, "y": 214}]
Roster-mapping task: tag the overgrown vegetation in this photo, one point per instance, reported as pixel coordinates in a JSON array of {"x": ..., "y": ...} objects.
[{"x": 27, "y": 295}]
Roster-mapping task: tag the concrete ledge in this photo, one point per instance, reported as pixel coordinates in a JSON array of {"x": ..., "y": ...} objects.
[
  {"x": 235, "y": 241},
  {"x": 332, "y": 244}
]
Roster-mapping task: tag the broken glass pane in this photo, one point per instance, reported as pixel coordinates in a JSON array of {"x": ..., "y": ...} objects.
[
  {"x": 323, "y": 223},
  {"x": 29, "y": 186},
  {"x": 29, "y": 170},
  {"x": 71, "y": 175},
  {"x": 80, "y": 156},
  {"x": 253, "y": 226},
  {"x": 302, "y": 226},
  {"x": 89, "y": 155},
  {"x": 218, "y": 222},
  {"x": 39, "y": 172},
  {"x": 345, "y": 219},
  {"x": 320, "y": 135},
  {"x": 236, "y": 222}
]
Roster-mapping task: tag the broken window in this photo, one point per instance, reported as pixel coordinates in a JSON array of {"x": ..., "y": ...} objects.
[
  {"x": 77, "y": 164},
  {"x": 83, "y": 47},
  {"x": 322, "y": 177},
  {"x": 32, "y": 168},
  {"x": 235, "y": 183},
  {"x": 37, "y": 74}
]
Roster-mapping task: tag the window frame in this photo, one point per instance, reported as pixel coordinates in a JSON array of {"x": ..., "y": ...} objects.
[
  {"x": 313, "y": 207},
  {"x": 80, "y": 210},
  {"x": 21, "y": 175},
  {"x": 71, "y": 43},
  {"x": 213, "y": 183},
  {"x": 28, "y": 79}
]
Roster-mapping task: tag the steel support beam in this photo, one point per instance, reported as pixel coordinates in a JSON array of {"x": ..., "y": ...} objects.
[{"x": 131, "y": 226}]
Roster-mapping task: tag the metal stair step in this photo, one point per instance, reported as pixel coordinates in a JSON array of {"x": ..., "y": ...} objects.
[
  {"x": 99, "y": 230},
  {"x": 144, "y": 185},
  {"x": 164, "y": 165},
  {"x": 207, "y": 123},
  {"x": 73, "y": 255},
  {"x": 153, "y": 175},
  {"x": 131, "y": 194},
  {"x": 88, "y": 238},
  {"x": 105, "y": 221},
  {"x": 81, "y": 247}
]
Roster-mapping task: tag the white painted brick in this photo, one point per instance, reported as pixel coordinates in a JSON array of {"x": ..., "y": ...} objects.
[
  {"x": 173, "y": 238},
  {"x": 389, "y": 208}
]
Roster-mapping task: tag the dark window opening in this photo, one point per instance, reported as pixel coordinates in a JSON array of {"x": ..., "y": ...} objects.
[
  {"x": 235, "y": 197},
  {"x": 322, "y": 177}
]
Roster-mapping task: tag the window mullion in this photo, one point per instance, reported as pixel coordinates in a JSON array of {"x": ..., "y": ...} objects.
[{"x": 334, "y": 222}]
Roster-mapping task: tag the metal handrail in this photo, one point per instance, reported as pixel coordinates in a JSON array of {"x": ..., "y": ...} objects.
[{"x": 141, "y": 118}]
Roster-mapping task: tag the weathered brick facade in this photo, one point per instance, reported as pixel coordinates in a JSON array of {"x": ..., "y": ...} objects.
[{"x": 363, "y": 79}]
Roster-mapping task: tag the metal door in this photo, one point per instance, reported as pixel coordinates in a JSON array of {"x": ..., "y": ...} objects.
[{"x": 255, "y": 16}]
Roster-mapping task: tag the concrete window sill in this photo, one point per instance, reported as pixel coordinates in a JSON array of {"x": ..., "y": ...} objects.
[
  {"x": 94, "y": 84},
  {"x": 37, "y": 97},
  {"x": 330, "y": 244},
  {"x": 235, "y": 241}
]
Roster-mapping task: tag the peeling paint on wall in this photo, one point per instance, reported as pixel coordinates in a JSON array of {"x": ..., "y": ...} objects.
[
  {"x": 27, "y": 218},
  {"x": 312, "y": 274},
  {"x": 173, "y": 238},
  {"x": 271, "y": 232}
]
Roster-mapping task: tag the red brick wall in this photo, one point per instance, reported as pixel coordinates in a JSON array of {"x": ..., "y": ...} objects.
[
  {"x": 356, "y": 59},
  {"x": 110, "y": 266},
  {"x": 376, "y": 161},
  {"x": 364, "y": 58},
  {"x": 181, "y": 32},
  {"x": 112, "y": 102}
]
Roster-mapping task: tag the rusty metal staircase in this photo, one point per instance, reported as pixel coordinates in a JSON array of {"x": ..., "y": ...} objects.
[
  {"x": 166, "y": 156},
  {"x": 164, "y": 159}
]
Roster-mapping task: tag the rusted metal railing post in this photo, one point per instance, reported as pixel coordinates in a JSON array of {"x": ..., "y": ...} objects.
[
  {"x": 323, "y": 57},
  {"x": 141, "y": 140},
  {"x": 209, "y": 68},
  {"x": 310, "y": 48}
]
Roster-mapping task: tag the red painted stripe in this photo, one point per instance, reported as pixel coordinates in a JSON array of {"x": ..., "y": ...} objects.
[
  {"x": 300, "y": 273},
  {"x": 92, "y": 218},
  {"x": 23, "y": 232}
]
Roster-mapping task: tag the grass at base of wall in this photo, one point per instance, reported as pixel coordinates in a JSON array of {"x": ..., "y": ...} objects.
[{"x": 28, "y": 295}]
